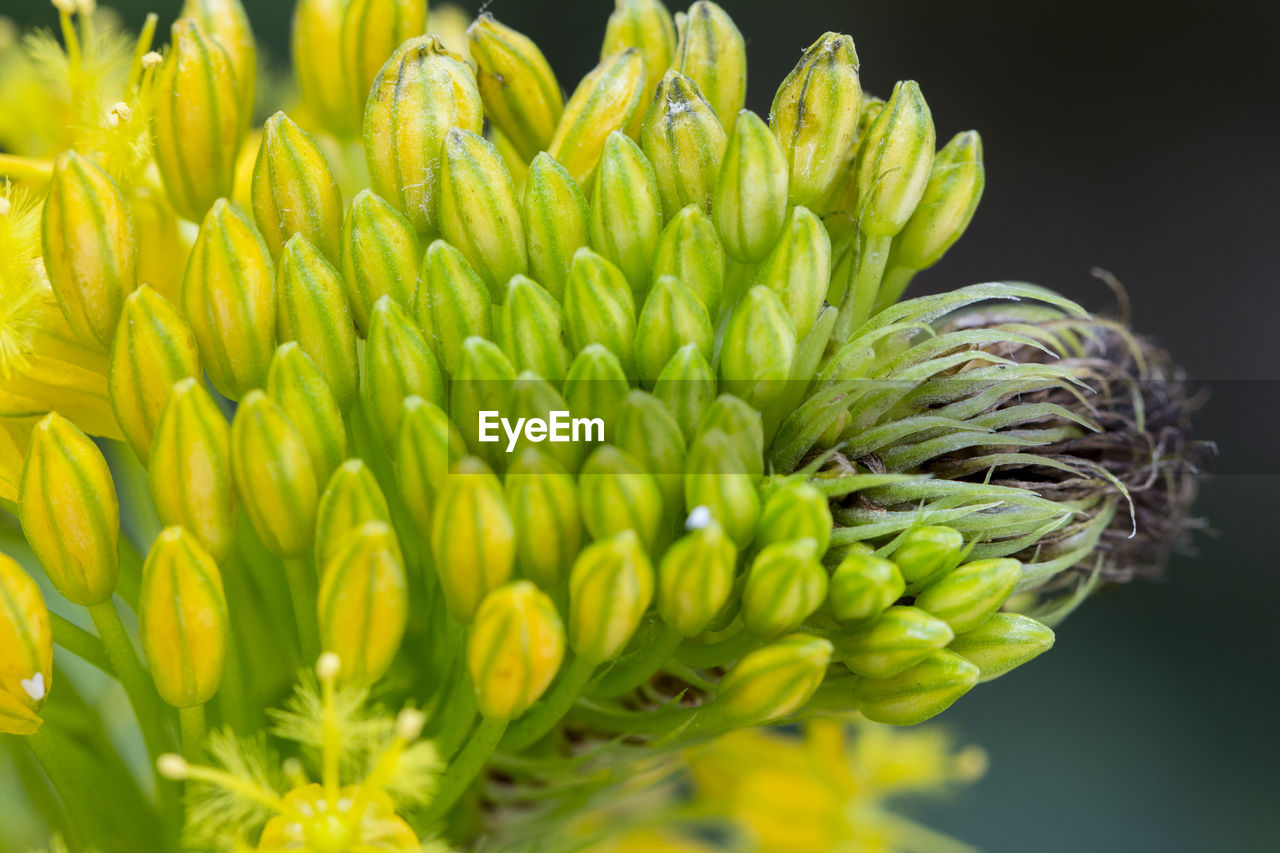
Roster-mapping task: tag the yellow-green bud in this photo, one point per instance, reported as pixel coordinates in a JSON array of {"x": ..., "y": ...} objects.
[
  {"x": 610, "y": 588},
  {"x": 599, "y": 308},
  {"x": 482, "y": 382},
  {"x": 197, "y": 120},
  {"x": 182, "y": 619},
  {"x": 364, "y": 602},
  {"x": 229, "y": 298},
  {"x": 750, "y": 203},
  {"x": 673, "y": 316},
  {"x": 894, "y": 162},
  {"x": 226, "y": 22},
  {"x": 606, "y": 100},
  {"x": 313, "y": 311},
  {"x": 190, "y": 470},
  {"x": 519, "y": 89},
  {"x": 374, "y": 32},
  {"x": 925, "y": 553},
  {"x": 162, "y": 253},
  {"x": 815, "y": 115},
  {"x": 626, "y": 210},
  {"x": 596, "y": 387},
  {"x": 515, "y": 649},
  {"x": 473, "y": 539},
  {"x": 901, "y": 638},
  {"x": 759, "y": 345},
  {"x": 647, "y": 431},
  {"x": 452, "y": 302},
  {"x": 717, "y": 479},
  {"x": 153, "y": 349},
  {"x": 427, "y": 446},
  {"x": 317, "y": 44},
  {"x": 1003, "y": 642},
  {"x": 685, "y": 143},
  {"x": 530, "y": 397},
  {"x": 273, "y": 476},
  {"x": 380, "y": 253},
  {"x": 547, "y": 515},
  {"x": 88, "y": 247},
  {"x": 351, "y": 499},
  {"x": 69, "y": 512},
  {"x": 686, "y": 386},
  {"x": 298, "y": 387},
  {"x": 555, "y": 222},
  {"x": 966, "y": 597},
  {"x": 531, "y": 330},
  {"x": 695, "y": 578},
  {"x": 689, "y": 249},
  {"x": 397, "y": 364},
  {"x": 795, "y": 511},
  {"x": 645, "y": 25},
  {"x": 914, "y": 695},
  {"x": 950, "y": 197},
  {"x": 842, "y": 196},
  {"x": 406, "y": 121},
  {"x": 713, "y": 52},
  {"x": 799, "y": 268},
  {"x": 773, "y": 681},
  {"x": 742, "y": 425},
  {"x": 26, "y": 645},
  {"x": 863, "y": 586},
  {"x": 786, "y": 584},
  {"x": 294, "y": 191},
  {"x": 619, "y": 494}
]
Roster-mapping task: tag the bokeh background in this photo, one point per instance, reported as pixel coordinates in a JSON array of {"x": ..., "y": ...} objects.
[{"x": 1143, "y": 138}]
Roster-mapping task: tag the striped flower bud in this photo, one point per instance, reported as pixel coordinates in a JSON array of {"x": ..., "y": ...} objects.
[
  {"x": 407, "y": 119},
  {"x": 69, "y": 512},
  {"x": 379, "y": 256},
  {"x": 182, "y": 619},
  {"x": 26, "y": 646},
  {"x": 596, "y": 386},
  {"x": 482, "y": 382},
  {"x": 297, "y": 386},
  {"x": 690, "y": 250},
  {"x": 619, "y": 494},
  {"x": 153, "y": 348},
  {"x": 968, "y": 596},
  {"x": 519, "y": 89},
  {"x": 917, "y": 694},
  {"x": 815, "y": 115},
  {"x": 228, "y": 24},
  {"x": 514, "y": 650},
  {"x": 799, "y": 268},
  {"x": 686, "y": 386},
  {"x": 902, "y": 637},
  {"x": 364, "y": 602},
  {"x": 451, "y": 301},
  {"x": 750, "y": 202},
  {"x": 1003, "y": 642},
  {"x": 894, "y": 162},
  {"x": 646, "y": 431},
  {"x": 626, "y": 211},
  {"x": 531, "y": 397},
  {"x": 197, "y": 120},
  {"x": 89, "y": 252},
  {"x": 190, "y": 470},
  {"x": 555, "y": 222},
  {"x": 162, "y": 253},
  {"x": 695, "y": 579},
  {"x": 926, "y": 553},
  {"x": 786, "y": 584},
  {"x": 473, "y": 539},
  {"x": 531, "y": 330},
  {"x": 742, "y": 425},
  {"x": 956, "y": 181},
  {"x": 610, "y": 588},
  {"x": 773, "y": 681},
  {"x": 672, "y": 317},
  {"x": 795, "y": 511},
  {"x": 313, "y": 310},
  {"x": 317, "y": 44},
  {"x": 428, "y": 444},
  {"x": 863, "y": 586},
  {"x": 645, "y": 25},
  {"x": 478, "y": 209},
  {"x": 842, "y": 195},
  {"x": 273, "y": 476},
  {"x": 685, "y": 143},
  {"x": 351, "y": 499},
  {"x": 372, "y": 30},
  {"x": 713, "y": 53},
  {"x": 717, "y": 479},
  {"x": 229, "y": 298},
  {"x": 606, "y": 100},
  {"x": 547, "y": 515},
  {"x": 759, "y": 344},
  {"x": 397, "y": 363},
  {"x": 294, "y": 191},
  {"x": 599, "y": 308}
]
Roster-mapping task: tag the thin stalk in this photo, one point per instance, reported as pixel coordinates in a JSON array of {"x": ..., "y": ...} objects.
[
  {"x": 859, "y": 301},
  {"x": 26, "y": 168},
  {"x": 629, "y": 673},
  {"x": 708, "y": 655},
  {"x": 191, "y": 722},
  {"x": 302, "y": 592},
  {"x": 76, "y": 791},
  {"x": 465, "y": 767},
  {"x": 80, "y": 642},
  {"x": 539, "y": 719},
  {"x": 459, "y": 710}
]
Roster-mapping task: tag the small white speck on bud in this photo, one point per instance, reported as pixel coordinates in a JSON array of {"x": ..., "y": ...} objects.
[
  {"x": 328, "y": 666},
  {"x": 34, "y": 686},
  {"x": 151, "y": 59},
  {"x": 409, "y": 724},
  {"x": 173, "y": 766},
  {"x": 698, "y": 518}
]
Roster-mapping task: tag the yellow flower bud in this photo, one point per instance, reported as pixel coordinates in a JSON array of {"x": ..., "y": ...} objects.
[
  {"x": 672, "y": 317},
  {"x": 351, "y": 500},
  {"x": 295, "y": 384},
  {"x": 610, "y": 588},
  {"x": 294, "y": 191},
  {"x": 473, "y": 538},
  {"x": 482, "y": 382},
  {"x": 926, "y": 553},
  {"x": 313, "y": 311},
  {"x": 795, "y": 511},
  {"x": 519, "y": 89},
  {"x": 555, "y": 222},
  {"x": 684, "y": 140},
  {"x": 785, "y": 585},
  {"x": 364, "y": 602},
  {"x": 774, "y": 681},
  {"x": 718, "y": 480},
  {"x": 317, "y": 44},
  {"x": 742, "y": 425},
  {"x": 894, "y": 162},
  {"x": 226, "y": 22},
  {"x": 626, "y": 210},
  {"x": 380, "y": 253},
  {"x": 515, "y": 648},
  {"x": 531, "y": 396},
  {"x": 799, "y": 268},
  {"x": 1003, "y": 642},
  {"x": 451, "y": 301},
  {"x": 397, "y": 364},
  {"x": 966, "y": 597},
  {"x": 599, "y": 308},
  {"x": 695, "y": 579},
  {"x": 842, "y": 196},
  {"x": 606, "y": 100},
  {"x": 914, "y": 695},
  {"x": 596, "y": 387},
  {"x": 951, "y": 196},
  {"x": 371, "y": 31},
  {"x": 618, "y": 494},
  {"x": 531, "y": 330},
  {"x": 750, "y": 202},
  {"x": 547, "y": 515},
  {"x": 713, "y": 53},
  {"x": 864, "y": 585},
  {"x": 690, "y": 250},
  {"x": 428, "y": 444},
  {"x": 645, "y": 25},
  {"x": 26, "y": 642},
  {"x": 273, "y": 476},
  {"x": 902, "y": 637},
  {"x": 648, "y": 433},
  {"x": 759, "y": 345}
]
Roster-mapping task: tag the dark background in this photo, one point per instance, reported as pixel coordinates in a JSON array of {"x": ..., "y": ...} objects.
[{"x": 1140, "y": 137}]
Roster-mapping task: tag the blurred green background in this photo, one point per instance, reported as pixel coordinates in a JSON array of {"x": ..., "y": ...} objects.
[{"x": 1141, "y": 138}]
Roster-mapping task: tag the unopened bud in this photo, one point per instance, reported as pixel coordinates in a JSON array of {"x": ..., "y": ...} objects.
[
  {"x": 482, "y": 382},
  {"x": 619, "y": 494},
  {"x": 750, "y": 202},
  {"x": 531, "y": 330},
  {"x": 313, "y": 311},
  {"x": 672, "y": 317},
  {"x": 695, "y": 579},
  {"x": 227, "y": 23},
  {"x": 397, "y": 364},
  {"x": 966, "y": 597},
  {"x": 610, "y": 588},
  {"x": 759, "y": 345},
  {"x": 741, "y": 424},
  {"x": 296, "y": 385},
  {"x": 686, "y": 386},
  {"x": 863, "y": 586},
  {"x": 894, "y": 162},
  {"x": 294, "y": 191},
  {"x": 647, "y": 431},
  {"x": 690, "y": 250},
  {"x": 317, "y": 47},
  {"x": 351, "y": 500},
  {"x": 596, "y": 387},
  {"x": 273, "y": 476},
  {"x": 452, "y": 301},
  {"x": 519, "y": 89},
  {"x": 786, "y": 584},
  {"x": 685, "y": 143},
  {"x": 1003, "y": 642},
  {"x": 599, "y": 308},
  {"x": 379, "y": 256},
  {"x": 547, "y": 514},
  {"x": 374, "y": 32},
  {"x": 717, "y": 479},
  {"x": 473, "y": 539},
  {"x": 713, "y": 53},
  {"x": 773, "y": 681},
  {"x": 626, "y": 211},
  {"x": 555, "y": 222},
  {"x": 532, "y": 397},
  {"x": 795, "y": 511},
  {"x": 606, "y": 100},
  {"x": 901, "y": 638},
  {"x": 364, "y": 602},
  {"x": 914, "y": 695},
  {"x": 514, "y": 650},
  {"x": 950, "y": 197},
  {"x": 645, "y": 25},
  {"x": 926, "y": 553},
  {"x": 799, "y": 268},
  {"x": 426, "y": 447},
  {"x": 26, "y": 644}
]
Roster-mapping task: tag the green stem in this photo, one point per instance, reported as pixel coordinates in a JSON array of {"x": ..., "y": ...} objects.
[
  {"x": 465, "y": 767},
  {"x": 82, "y": 808},
  {"x": 629, "y": 673},
  {"x": 191, "y": 721},
  {"x": 133, "y": 677},
  {"x": 302, "y": 592},
  {"x": 233, "y": 705},
  {"x": 459, "y": 707},
  {"x": 860, "y": 300},
  {"x": 708, "y": 655},
  {"x": 657, "y": 723},
  {"x": 80, "y": 642},
  {"x": 539, "y": 719}
]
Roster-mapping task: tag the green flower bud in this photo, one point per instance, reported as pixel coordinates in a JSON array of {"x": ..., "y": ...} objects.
[
  {"x": 914, "y": 695},
  {"x": 427, "y": 446},
  {"x": 313, "y": 311},
  {"x": 451, "y": 301},
  {"x": 717, "y": 480},
  {"x": 273, "y": 476},
  {"x": 473, "y": 539},
  {"x": 478, "y": 209},
  {"x": 531, "y": 397},
  {"x": 863, "y": 586},
  {"x": 519, "y": 89},
  {"x": 894, "y": 162},
  {"x": 26, "y": 641},
  {"x": 686, "y": 386},
  {"x": 925, "y": 553},
  {"x": 799, "y": 268},
  {"x": 842, "y": 195},
  {"x": 317, "y": 44},
  {"x": 547, "y": 515},
  {"x": 619, "y": 494},
  {"x": 295, "y": 384},
  {"x": 689, "y": 249},
  {"x": 531, "y": 330},
  {"x": 515, "y": 649},
  {"x": 646, "y": 431},
  {"x": 190, "y": 470},
  {"x": 902, "y": 637},
  {"x": 606, "y": 100},
  {"x": 968, "y": 596},
  {"x": 182, "y": 619},
  {"x": 742, "y": 426},
  {"x": 152, "y": 350},
  {"x": 596, "y": 387},
  {"x": 759, "y": 344},
  {"x": 815, "y": 115},
  {"x": 555, "y": 222},
  {"x": 374, "y": 32},
  {"x": 364, "y": 602},
  {"x": 197, "y": 124},
  {"x": 228, "y": 24},
  {"x": 599, "y": 308},
  {"x": 294, "y": 191},
  {"x": 786, "y": 584},
  {"x": 645, "y": 25},
  {"x": 684, "y": 140},
  {"x": 229, "y": 298},
  {"x": 89, "y": 244},
  {"x": 407, "y": 119},
  {"x": 695, "y": 579},
  {"x": 672, "y": 317},
  {"x": 713, "y": 53},
  {"x": 397, "y": 363},
  {"x": 773, "y": 681},
  {"x": 610, "y": 588},
  {"x": 750, "y": 203},
  {"x": 955, "y": 185},
  {"x": 626, "y": 210},
  {"x": 379, "y": 256},
  {"x": 351, "y": 499},
  {"x": 69, "y": 512},
  {"x": 1003, "y": 642},
  {"x": 482, "y": 382},
  {"x": 793, "y": 511}
]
